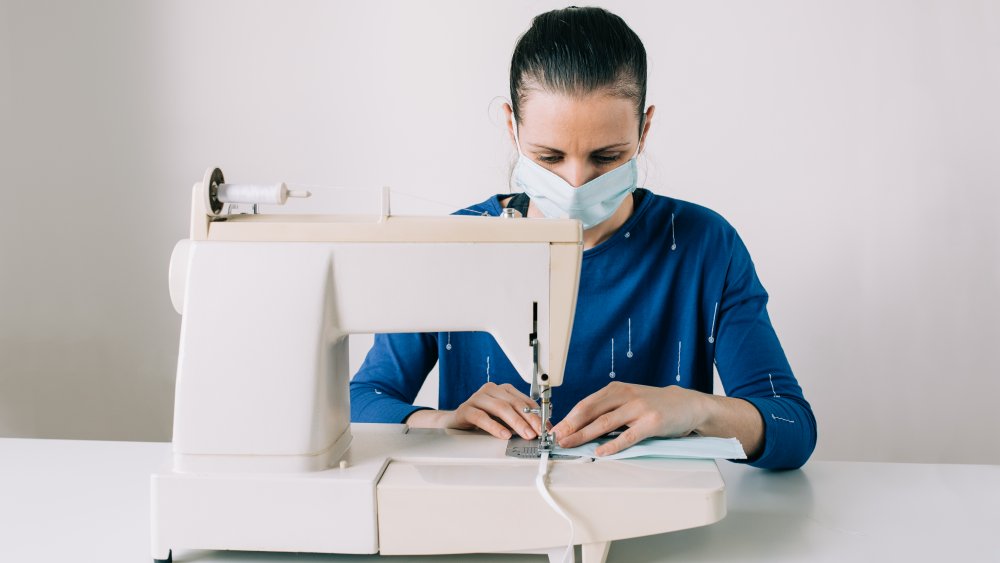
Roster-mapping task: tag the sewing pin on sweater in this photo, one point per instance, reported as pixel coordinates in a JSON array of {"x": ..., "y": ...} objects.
[
  {"x": 711, "y": 333},
  {"x": 629, "y": 353},
  {"x": 773, "y": 392},
  {"x": 673, "y": 233},
  {"x": 678, "y": 361},
  {"x": 612, "y": 374}
]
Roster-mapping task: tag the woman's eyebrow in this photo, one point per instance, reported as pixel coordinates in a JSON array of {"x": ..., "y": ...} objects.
[
  {"x": 543, "y": 147},
  {"x": 602, "y": 149},
  {"x": 609, "y": 147}
]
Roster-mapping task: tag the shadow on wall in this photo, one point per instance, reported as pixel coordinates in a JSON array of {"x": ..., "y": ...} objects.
[{"x": 88, "y": 340}]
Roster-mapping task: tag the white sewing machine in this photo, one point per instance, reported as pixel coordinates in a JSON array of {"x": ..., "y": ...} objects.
[{"x": 265, "y": 456}]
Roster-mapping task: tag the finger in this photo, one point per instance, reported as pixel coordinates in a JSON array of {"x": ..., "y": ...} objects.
[
  {"x": 581, "y": 414},
  {"x": 600, "y": 426},
  {"x": 624, "y": 440},
  {"x": 501, "y": 409},
  {"x": 483, "y": 420},
  {"x": 487, "y": 387},
  {"x": 607, "y": 399},
  {"x": 520, "y": 402},
  {"x": 515, "y": 392},
  {"x": 533, "y": 420}
]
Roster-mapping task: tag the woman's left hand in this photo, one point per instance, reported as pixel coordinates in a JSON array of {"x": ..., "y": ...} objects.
[{"x": 646, "y": 411}]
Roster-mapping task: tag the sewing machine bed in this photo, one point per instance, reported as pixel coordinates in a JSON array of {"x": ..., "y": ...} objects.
[{"x": 415, "y": 491}]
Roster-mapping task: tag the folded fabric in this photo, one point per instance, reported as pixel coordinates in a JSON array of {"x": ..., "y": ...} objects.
[{"x": 700, "y": 447}]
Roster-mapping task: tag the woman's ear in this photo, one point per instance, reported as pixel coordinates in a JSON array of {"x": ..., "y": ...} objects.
[
  {"x": 647, "y": 120},
  {"x": 509, "y": 120}
]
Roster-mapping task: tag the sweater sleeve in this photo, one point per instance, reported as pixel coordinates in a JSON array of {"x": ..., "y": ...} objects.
[
  {"x": 753, "y": 367},
  {"x": 388, "y": 381}
]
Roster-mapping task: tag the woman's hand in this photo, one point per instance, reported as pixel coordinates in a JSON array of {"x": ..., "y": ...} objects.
[
  {"x": 646, "y": 411},
  {"x": 659, "y": 411},
  {"x": 495, "y": 408}
]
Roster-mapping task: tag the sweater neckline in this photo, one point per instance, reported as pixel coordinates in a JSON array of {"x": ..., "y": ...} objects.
[{"x": 615, "y": 238}]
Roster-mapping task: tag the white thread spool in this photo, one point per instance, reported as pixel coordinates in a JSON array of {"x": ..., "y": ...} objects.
[{"x": 276, "y": 194}]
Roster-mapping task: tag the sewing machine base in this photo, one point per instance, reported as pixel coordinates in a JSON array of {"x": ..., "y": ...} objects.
[
  {"x": 589, "y": 553},
  {"x": 423, "y": 492},
  {"x": 326, "y": 513}
]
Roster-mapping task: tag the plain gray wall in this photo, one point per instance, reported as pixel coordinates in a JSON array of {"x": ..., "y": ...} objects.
[{"x": 854, "y": 145}]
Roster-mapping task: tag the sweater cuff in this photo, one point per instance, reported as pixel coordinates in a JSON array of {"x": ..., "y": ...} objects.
[
  {"x": 783, "y": 434},
  {"x": 413, "y": 409},
  {"x": 369, "y": 405},
  {"x": 397, "y": 411}
]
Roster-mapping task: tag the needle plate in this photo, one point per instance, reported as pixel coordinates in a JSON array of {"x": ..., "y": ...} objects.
[{"x": 528, "y": 449}]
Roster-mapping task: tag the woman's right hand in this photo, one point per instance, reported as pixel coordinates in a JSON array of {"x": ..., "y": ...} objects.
[{"x": 497, "y": 409}]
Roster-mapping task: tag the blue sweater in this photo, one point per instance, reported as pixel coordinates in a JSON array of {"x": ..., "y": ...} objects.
[{"x": 668, "y": 294}]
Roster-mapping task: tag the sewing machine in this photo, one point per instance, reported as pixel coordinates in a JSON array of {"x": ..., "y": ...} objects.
[{"x": 265, "y": 456}]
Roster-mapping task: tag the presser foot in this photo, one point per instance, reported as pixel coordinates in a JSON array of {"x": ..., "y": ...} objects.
[
  {"x": 169, "y": 559},
  {"x": 528, "y": 449}
]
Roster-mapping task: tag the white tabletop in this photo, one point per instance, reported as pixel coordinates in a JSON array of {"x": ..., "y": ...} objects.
[{"x": 89, "y": 501}]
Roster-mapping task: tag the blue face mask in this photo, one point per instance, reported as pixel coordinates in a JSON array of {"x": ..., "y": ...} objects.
[{"x": 591, "y": 203}]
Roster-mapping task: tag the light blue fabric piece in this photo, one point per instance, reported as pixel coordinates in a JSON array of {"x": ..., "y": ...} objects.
[{"x": 700, "y": 447}]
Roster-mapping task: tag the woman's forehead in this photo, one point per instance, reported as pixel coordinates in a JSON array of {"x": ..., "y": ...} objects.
[{"x": 568, "y": 123}]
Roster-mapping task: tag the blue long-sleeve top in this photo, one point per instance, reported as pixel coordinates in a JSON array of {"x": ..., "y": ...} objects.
[{"x": 669, "y": 293}]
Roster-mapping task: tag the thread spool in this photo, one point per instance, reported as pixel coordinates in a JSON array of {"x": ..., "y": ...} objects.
[{"x": 275, "y": 194}]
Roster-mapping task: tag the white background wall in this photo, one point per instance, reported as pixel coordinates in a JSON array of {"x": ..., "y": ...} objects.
[{"x": 853, "y": 144}]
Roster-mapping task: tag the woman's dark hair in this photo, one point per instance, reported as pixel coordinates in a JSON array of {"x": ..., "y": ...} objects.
[{"x": 577, "y": 51}]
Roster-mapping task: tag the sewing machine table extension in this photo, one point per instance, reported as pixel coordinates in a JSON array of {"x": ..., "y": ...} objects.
[{"x": 265, "y": 456}]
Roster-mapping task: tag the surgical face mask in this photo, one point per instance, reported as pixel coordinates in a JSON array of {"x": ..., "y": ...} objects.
[{"x": 591, "y": 203}]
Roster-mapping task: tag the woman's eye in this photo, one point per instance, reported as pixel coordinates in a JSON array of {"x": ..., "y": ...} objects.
[{"x": 598, "y": 158}]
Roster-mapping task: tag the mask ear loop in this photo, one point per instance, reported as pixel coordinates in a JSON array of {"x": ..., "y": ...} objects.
[
  {"x": 517, "y": 143},
  {"x": 517, "y": 140},
  {"x": 642, "y": 125}
]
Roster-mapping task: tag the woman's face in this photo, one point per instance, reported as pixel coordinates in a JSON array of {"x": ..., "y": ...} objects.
[{"x": 578, "y": 138}]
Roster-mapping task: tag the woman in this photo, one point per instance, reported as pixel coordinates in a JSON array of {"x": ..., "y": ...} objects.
[{"x": 666, "y": 287}]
